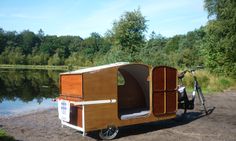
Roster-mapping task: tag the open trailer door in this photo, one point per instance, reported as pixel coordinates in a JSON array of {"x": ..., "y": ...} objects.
[{"x": 164, "y": 85}]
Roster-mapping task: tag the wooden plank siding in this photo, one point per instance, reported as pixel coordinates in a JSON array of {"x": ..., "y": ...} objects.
[
  {"x": 71, "y": 85},
  {"x": 164, "y": 90},
  {"x": 71, "y": 88},
  {"x": 102, "y": 85}
]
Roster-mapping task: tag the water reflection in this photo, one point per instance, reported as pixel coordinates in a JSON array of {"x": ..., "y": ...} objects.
[{"x": 27, "y": 87}]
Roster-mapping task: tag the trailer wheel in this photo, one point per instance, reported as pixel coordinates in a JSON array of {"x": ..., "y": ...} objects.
[{"x": 109, "y": 133}]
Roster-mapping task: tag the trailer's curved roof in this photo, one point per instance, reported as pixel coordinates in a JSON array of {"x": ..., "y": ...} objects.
[{"x": 96, "y": 68}]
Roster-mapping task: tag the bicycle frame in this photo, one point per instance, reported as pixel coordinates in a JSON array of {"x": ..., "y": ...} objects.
[{"x": 184, "y": 102}]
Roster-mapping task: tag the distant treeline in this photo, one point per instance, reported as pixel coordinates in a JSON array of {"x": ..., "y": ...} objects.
[
  {"x": 213, "y": 45},
  {"x": 37, "y": 49}
]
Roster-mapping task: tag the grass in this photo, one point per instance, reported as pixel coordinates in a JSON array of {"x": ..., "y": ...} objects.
[
  {"x": 5, "y": 137},
  {"x": 209, "y": 82},
  {"x": 39, "y": 67}
]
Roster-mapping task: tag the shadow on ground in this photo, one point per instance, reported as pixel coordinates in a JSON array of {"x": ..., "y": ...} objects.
[{"x": 154, "y": 126}]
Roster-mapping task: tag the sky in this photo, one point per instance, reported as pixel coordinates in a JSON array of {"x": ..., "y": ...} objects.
[{"x": 82, "y": 17}]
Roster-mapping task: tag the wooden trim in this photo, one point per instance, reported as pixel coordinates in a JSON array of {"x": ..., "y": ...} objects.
[
  {"x": 177, "y": 96},
  {"x": 165, "y": 90},
  {"x": 68, "y": 95},
  {"x": 151, "y": 90},
  {"x": 72, "y": 126},
  {"x": 95, "y": 68},
  {"x": 83, "y": 120},
  {"x": 93, "y": 102},
  {"x": 70, "y": 98},
  {"x": 59, "y": 84},
  {"x": 82, "y": 75}
]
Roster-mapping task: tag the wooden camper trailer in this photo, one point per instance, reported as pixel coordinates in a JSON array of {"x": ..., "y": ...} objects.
[{"x": 116, "y": 95}]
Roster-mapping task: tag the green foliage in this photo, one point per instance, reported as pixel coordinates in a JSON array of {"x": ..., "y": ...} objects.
[
  {"x": 221, "y": 37},
  {"x": 28, "y": 41},
  {"x": 2, "y": 133},
  {"x": 116, "y": 54},
  {"x": 77, "y": 59},
  {"x": 5, "y": 137},
  {"x": 152, "y": 53},
  {"x": 128, "y": 33},
  {"x": 38, "y": 59},
  {"x": 209, "y": 82},
  {"x": 12, "y": 56},
  {"x": 179, "y": 51},
  {"x": 55, "y": 60}
]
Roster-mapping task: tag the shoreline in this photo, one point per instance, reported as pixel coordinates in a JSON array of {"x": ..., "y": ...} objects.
[
  {"x": 40, "y": 67},
  {"x": 18, "y": 107},
  {"x": 27, "y": 113}
]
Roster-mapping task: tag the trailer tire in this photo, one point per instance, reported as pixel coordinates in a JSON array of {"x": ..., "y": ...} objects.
[{"x": 109, "y": 133}]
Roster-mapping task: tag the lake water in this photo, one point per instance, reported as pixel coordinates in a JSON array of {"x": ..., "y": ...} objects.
[{"x": 22, "y": 91}]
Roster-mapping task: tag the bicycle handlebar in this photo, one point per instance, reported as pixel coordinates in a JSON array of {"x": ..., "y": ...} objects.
[{"x": 181, "y": 75}]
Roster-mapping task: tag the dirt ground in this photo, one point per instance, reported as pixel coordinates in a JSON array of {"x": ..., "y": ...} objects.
[{"x": 220, "y": 125}]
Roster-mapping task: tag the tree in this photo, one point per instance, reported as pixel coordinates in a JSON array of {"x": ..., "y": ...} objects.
[
  {"x": 2, "y": 40},
  {"x": 30, "y": 40},
  {"x": 92, "y": 45},
  {"x": 173, "y": 43},
  {"x": 49, "y": 45},
  {"x": 153, "y": 52},
  {"x": 16, "y": 56},
  {"x": 77, "y": 59},
  {"x": 38, "y": 59},
  {"x": 54, "y": 60},
  {"x": 40, "y": 34},
  {"x": 129, "y": 31},
  {"x": 190, "y": 49},
  {"x": 221, "y": 36}
]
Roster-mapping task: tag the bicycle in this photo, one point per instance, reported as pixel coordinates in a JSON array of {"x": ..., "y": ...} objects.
[{"x": 184, "y": 103}]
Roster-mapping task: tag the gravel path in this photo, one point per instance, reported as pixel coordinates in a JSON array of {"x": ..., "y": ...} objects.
[{"x": 218, "y": 126}]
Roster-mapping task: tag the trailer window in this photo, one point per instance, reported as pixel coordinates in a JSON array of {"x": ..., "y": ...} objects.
[{"x": 120, "y": 79}]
